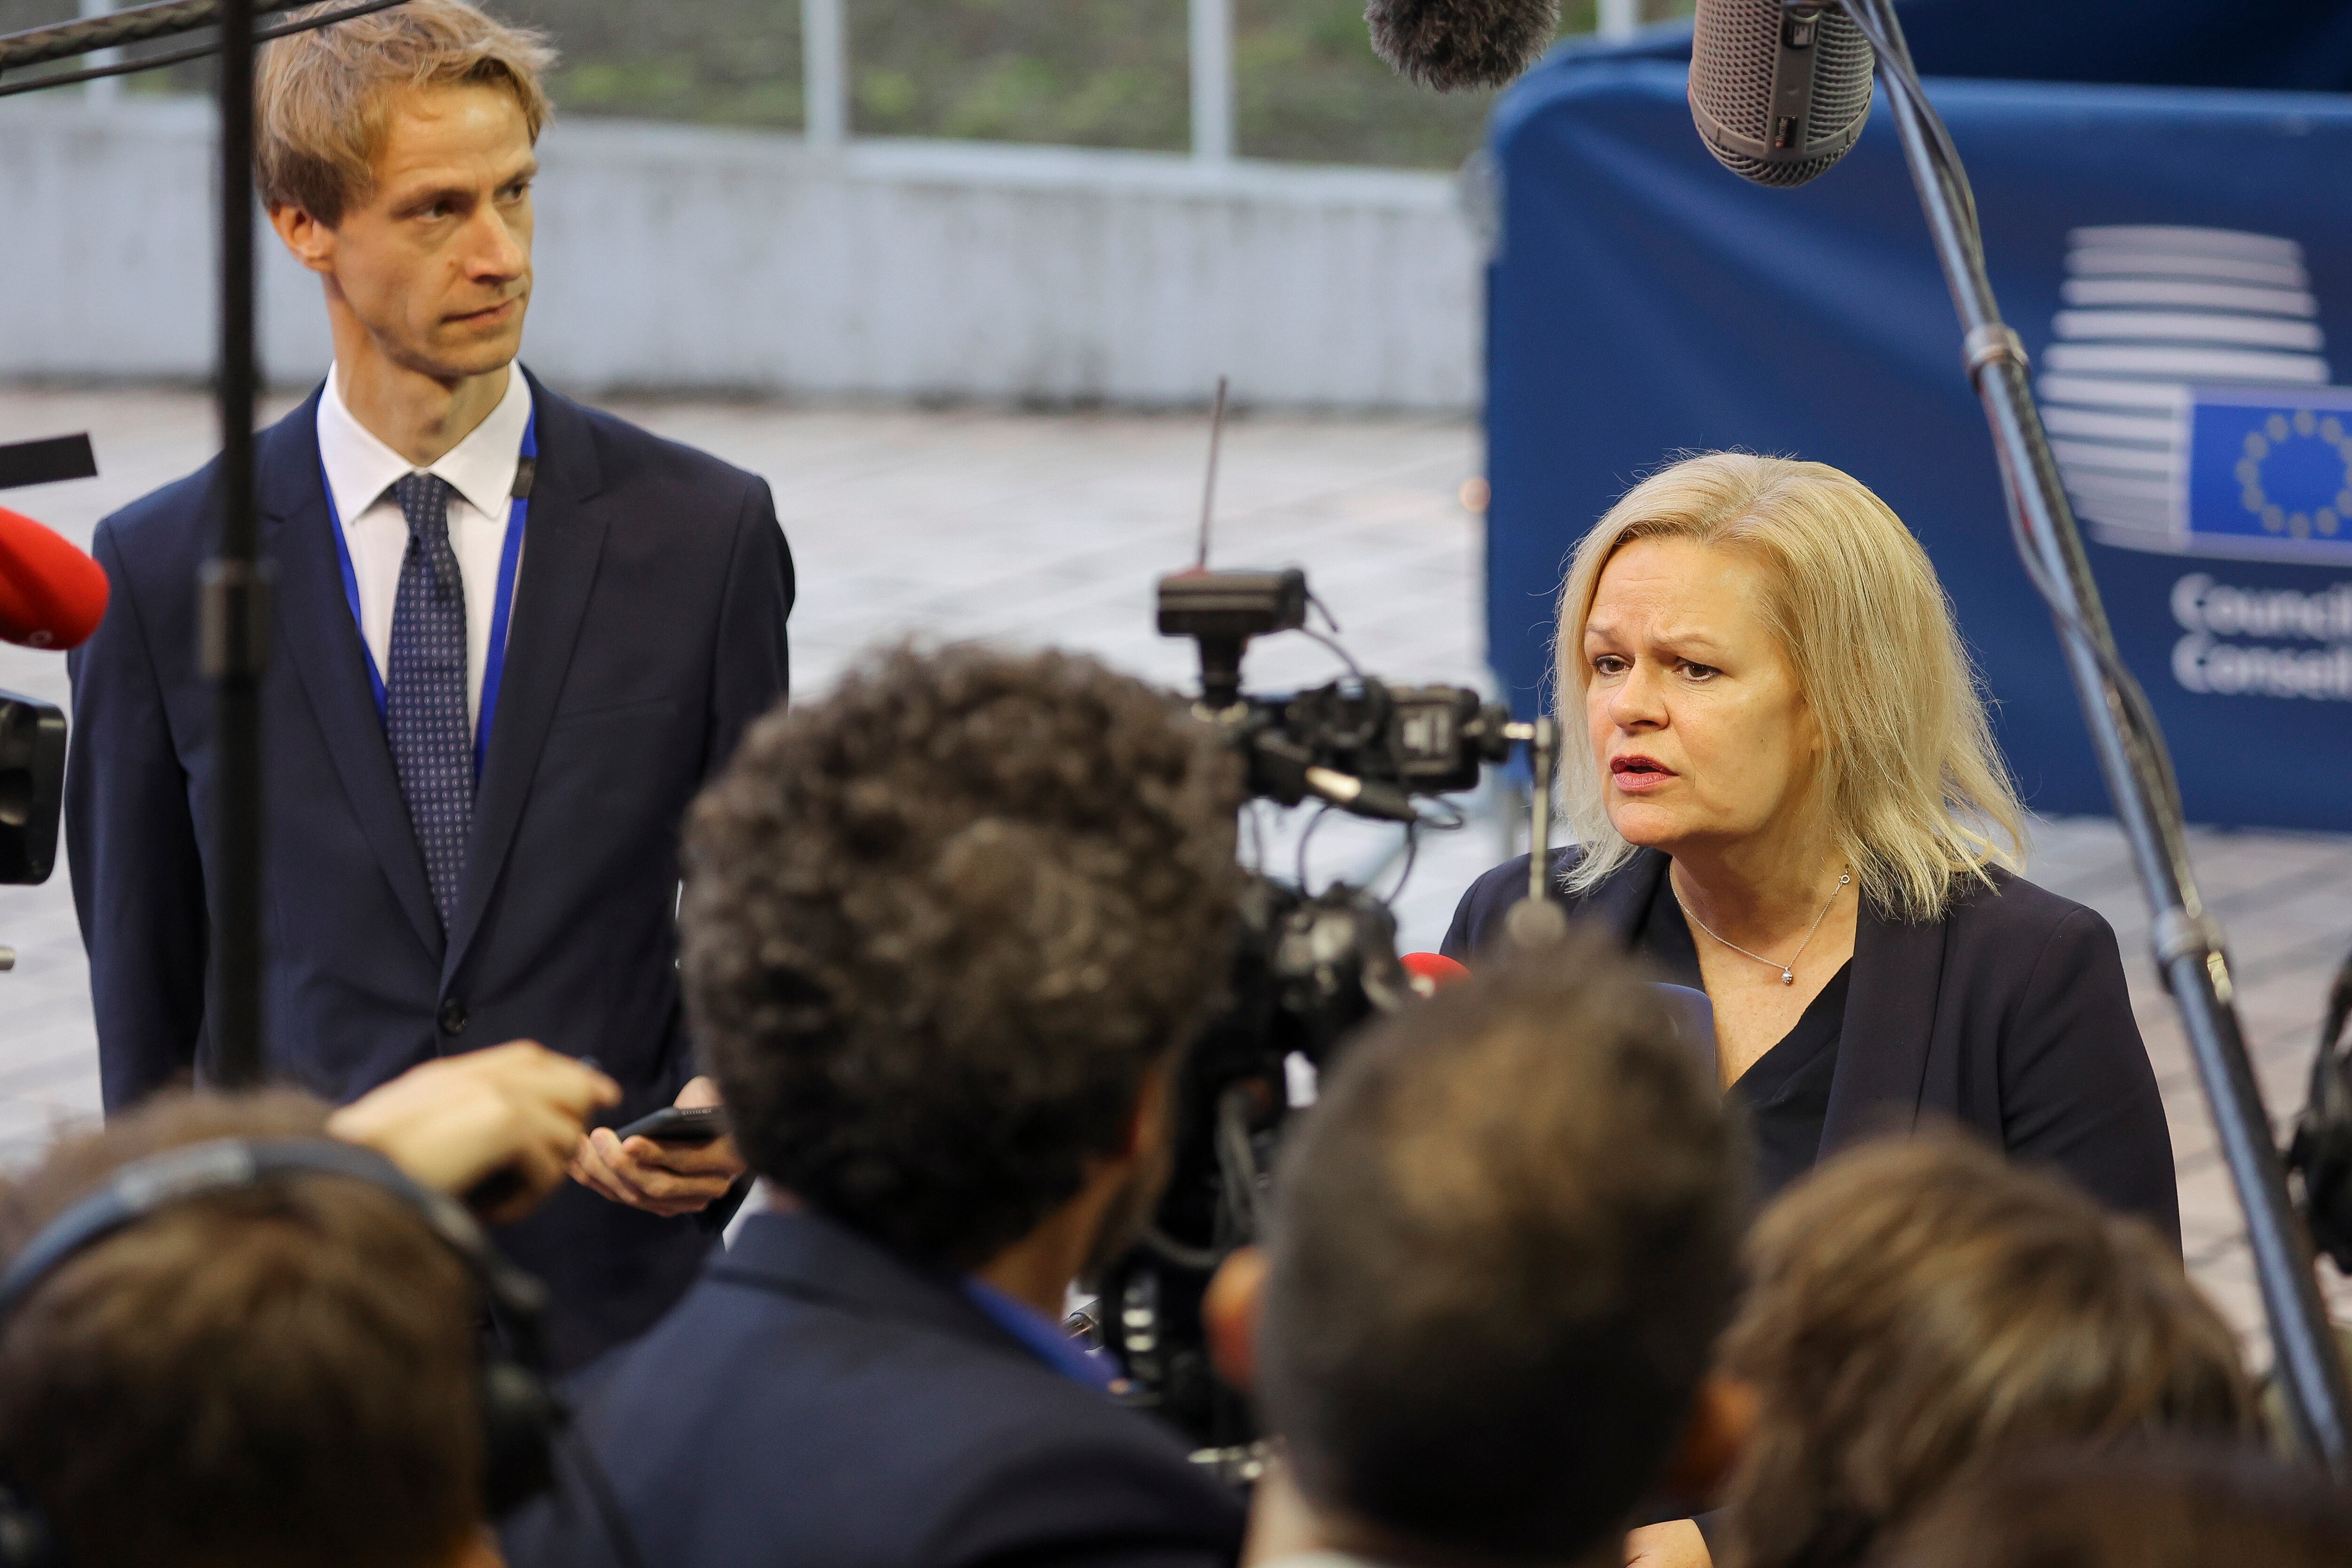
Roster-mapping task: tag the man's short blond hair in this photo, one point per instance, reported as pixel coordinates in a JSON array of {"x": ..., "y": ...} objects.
[{"x": 320, "y": 96}]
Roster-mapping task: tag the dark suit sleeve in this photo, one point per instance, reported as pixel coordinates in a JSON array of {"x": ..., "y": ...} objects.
[
  {"x": 750, "y": 672},
  {"x": 2076, "y": 1089},
  {"x": 752, "y": 669},
  {"x": 138, "y": 883},
  {"x": 1068, "y": 1502}
]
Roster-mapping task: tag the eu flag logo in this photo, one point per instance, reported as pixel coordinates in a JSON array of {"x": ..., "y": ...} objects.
[{"x": 2270, "y": 472}]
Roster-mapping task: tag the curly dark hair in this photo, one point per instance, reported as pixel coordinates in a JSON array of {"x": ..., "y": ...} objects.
[{"x": 938, "y": 926}]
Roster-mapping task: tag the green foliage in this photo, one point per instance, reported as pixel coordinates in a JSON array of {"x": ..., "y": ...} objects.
[
  {"x": 724, "y": 63},
  {"x": 1306, "y": 86},
  {"x": 1091, "y": 73},
  {"x": 1088, "y": 73}
]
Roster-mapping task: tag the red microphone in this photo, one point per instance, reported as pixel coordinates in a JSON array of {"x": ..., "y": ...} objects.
[
  {"x": 51, "y": 594},
  {"x": 1431, "y": 972}
]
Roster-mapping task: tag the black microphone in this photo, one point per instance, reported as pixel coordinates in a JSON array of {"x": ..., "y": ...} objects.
[
  {"x": 1779, "y": 94},
  {"x": 1450, "y": 44}
]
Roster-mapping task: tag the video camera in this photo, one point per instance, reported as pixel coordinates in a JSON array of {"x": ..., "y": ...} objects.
[{"x": 1309, "y": 968}]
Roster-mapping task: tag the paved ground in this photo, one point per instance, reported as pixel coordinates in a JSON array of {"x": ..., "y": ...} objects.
[{"x": 1050, "y": 529}]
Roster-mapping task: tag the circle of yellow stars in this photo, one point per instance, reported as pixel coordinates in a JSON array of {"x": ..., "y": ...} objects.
[{"x": 2279, "y": 428}]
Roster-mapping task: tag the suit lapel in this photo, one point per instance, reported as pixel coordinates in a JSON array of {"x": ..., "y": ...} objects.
[
  {"x": 1890, "y": 1019},
  {"x": 314, "y": 624},
  {"x": 562, "y": 540}
]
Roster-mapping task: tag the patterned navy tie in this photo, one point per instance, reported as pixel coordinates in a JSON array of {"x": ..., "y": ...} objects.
[{"x": 425, "y": 690}]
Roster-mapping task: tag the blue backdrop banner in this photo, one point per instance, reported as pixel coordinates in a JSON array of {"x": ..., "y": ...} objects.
[{"x": 2175, "y": 259}]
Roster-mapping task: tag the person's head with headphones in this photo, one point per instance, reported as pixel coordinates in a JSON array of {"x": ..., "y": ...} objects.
[{"x": 278, "y": 1368}]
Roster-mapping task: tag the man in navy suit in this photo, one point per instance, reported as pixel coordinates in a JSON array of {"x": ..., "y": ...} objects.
[
  {"x": 943, "y": 935},
  {"x": 511, "y": 637}
]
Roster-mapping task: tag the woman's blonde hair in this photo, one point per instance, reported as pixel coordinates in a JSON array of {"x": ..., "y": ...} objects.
[{"x": 1918, "y": 794}]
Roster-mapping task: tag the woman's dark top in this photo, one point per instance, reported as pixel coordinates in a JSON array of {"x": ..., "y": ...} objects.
[
  {"x": 2008, "y": 1015},
  {"x": 1786, "y": 1091}
]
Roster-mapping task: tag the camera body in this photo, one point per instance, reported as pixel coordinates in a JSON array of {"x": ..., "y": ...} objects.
[
  {"x": 32, "y": 787},
  {"x": 1309, "y": 968},
  {"x": 1361, "y": 744}
]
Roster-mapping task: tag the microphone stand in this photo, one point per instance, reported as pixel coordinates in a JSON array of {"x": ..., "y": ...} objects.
[
  {"x": 2189, "y": 951},
  {"x": 234, "y": 601}
]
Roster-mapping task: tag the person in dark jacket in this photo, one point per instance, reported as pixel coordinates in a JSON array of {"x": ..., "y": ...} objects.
[
  {"x": 1501, "y": 1249},
  {"x": 1788, "y": 793},
  {"x": 942, "y": 933},
  {"x": 511, "y": 637}
]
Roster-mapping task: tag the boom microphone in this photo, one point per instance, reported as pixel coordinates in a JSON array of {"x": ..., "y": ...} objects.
[
  {"x": 1779, "y": 94},
  {"x": 51, "y": 594},
  {"x": 1450, "y": 44}
]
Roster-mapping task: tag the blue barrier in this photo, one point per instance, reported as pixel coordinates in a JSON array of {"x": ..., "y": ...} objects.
[{"x": 2174, "y": 258}]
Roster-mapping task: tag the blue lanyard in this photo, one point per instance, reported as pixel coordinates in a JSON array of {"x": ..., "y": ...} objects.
[
  {"x": 1041, "y": 1336},
  {"x": 494, "y": 662}
]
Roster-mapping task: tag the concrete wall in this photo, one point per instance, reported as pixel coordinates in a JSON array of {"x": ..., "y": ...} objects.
[{"x": 680, "y": 257}]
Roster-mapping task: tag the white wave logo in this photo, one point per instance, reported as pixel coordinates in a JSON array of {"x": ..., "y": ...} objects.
[
  {"x": 2152, "y": 313},
  {"x": 2191, "y": 410}
]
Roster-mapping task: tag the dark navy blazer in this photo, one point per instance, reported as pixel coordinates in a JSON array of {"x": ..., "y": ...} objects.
[
  {"x": 647, "y": 630},
  {"x": 2008, "y": 1016},
  {"x": 815, "y": 1399}
]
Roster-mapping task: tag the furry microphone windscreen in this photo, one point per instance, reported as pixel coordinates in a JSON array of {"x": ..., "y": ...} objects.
[{"x": 1451, "y": 44}]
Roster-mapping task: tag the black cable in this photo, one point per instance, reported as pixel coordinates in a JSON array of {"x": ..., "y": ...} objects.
[
  {"x": 1412, "y": 853},
  {"x": 193, "y": 52},
  {"x": 1306, "y": 834},
  {"x": 605, "y": 1498},
  {"x": 1333, "y": 644},
  {"x": 63, "y": 40}
]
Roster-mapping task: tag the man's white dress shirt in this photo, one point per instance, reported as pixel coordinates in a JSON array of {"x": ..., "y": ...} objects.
[{"x": 361, "y": 472}]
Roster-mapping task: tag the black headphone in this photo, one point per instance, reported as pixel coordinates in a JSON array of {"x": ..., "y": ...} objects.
[{"x": 521, "y": 1415}]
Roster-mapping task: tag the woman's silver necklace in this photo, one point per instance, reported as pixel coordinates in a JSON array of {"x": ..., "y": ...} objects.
[{"x": 1789, "y": 969}]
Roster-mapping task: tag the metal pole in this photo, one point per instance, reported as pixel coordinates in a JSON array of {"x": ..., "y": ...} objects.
[
  {"x": 106, "y": 89},
  {"x": 1619, "y": 18},
  {"x": 234, "y": 608},
  {"x": 1212, "y": 80},
  {"x": 824, "y": 73},
  {"x": 2189, "y": 949}
]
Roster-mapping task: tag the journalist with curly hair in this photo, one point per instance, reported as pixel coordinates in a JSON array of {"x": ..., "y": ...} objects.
[{"x": 943, "y": 932}]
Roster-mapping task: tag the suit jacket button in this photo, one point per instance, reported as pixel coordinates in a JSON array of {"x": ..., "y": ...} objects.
[{"x": 453, "y": 1016}]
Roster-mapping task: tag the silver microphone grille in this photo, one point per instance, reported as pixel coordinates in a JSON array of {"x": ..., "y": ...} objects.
[{"x": 1778, "y": 95}]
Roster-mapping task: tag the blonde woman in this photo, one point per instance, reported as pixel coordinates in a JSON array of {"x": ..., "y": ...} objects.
[{"x": 1788, "y": 796}]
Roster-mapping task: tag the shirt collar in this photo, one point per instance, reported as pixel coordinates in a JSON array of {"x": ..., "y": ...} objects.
[
  {"x": 1041, "y": 1336},
  {"x": 481, "y": 467}
]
